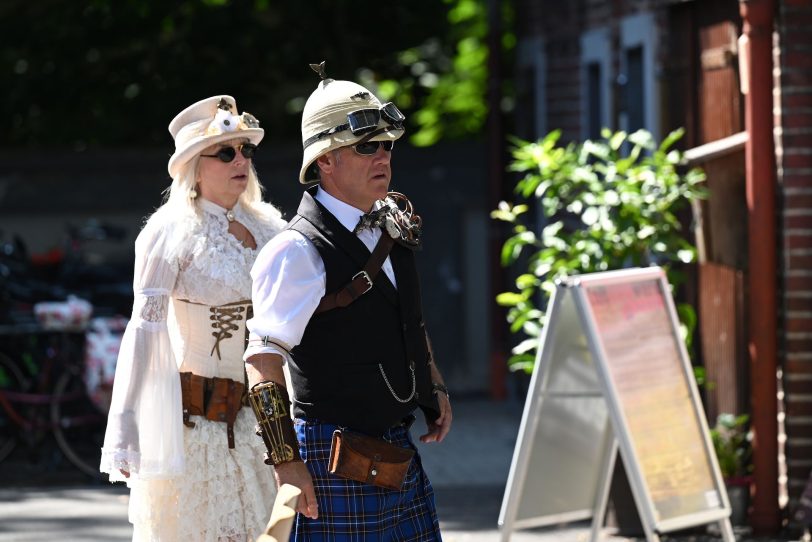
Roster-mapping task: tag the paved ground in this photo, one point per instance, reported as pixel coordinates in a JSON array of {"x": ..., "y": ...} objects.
[{"x": 468, "y": 471}]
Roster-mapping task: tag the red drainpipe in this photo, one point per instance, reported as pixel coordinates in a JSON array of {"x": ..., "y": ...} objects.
[
  {"x": 758, "y": 16},
  {"x": 496, "y": 173}
]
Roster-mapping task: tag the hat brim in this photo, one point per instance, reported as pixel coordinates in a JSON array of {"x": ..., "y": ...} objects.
[
  {"x": 336, "y": 141},
  {"x": 197, "y": 145}
]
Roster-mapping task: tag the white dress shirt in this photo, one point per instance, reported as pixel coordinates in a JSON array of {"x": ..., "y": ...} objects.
[{"x": 289, "y": 281}]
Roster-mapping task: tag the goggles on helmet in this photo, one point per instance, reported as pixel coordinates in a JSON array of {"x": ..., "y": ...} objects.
[{"x": 364, "y": 121}]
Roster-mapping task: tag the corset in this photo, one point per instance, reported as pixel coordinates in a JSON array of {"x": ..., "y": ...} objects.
[{"x": 212, "y": 339}]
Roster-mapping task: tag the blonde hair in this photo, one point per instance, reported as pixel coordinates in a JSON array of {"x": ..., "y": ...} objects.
[
  {"x": 178, "y": 198},
  {"x": 179, "y": 203}
]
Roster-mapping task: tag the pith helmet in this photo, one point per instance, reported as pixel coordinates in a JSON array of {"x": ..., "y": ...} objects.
[{"x": 341, "y": 113}]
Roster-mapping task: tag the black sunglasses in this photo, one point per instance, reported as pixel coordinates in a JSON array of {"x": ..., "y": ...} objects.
[
  {"x": 227, "y": 154},
  {"x": 364, "y": 121},
  {"x": 368, "y": 148}
]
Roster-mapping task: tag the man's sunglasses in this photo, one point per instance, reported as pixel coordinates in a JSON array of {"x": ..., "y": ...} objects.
[
  {"x": 227, "y": 154},
  {"x": 364, "y": 121},
  {"x": 368, "y": 148}
]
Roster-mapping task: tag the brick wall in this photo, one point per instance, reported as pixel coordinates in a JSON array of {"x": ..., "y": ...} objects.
[
  {"x": 563, "y": 87},
  {"x": 793, "y": 121},
  {"x": 597, "y": 12}
]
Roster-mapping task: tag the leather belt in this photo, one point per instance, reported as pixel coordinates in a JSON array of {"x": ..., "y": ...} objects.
[{"x": 218, "y": 399}]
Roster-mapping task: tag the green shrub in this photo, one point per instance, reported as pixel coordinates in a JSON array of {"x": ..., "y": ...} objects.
[{"x": 606, "y": 204}]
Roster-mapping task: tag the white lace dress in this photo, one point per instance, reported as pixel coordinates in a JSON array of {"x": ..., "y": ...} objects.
[{"x": 186, "y": 484}]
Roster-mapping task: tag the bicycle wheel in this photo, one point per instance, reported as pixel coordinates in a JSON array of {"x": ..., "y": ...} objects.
[
  {"x": 11, "y": 379},
  {"x": 78, "y": 425}
]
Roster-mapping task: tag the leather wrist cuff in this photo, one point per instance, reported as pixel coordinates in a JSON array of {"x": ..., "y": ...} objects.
[
  {"x": 437, "y": 386},
  {"x": 271, "y": 406}
]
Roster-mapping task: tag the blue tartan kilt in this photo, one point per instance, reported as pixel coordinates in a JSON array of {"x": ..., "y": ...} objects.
[{"x": 351, "y": 511}]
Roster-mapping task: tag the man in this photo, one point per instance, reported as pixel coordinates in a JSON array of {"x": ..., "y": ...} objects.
[{"x": 336, "y": 297}]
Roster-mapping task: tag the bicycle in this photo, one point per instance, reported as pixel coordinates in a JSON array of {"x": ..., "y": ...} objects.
[
  {"x": 51, "y": 384},
  {"x": 45, "y": 393}
]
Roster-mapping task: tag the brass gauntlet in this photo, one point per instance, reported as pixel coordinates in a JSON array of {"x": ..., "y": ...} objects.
[{"x": 270, "y": 403}]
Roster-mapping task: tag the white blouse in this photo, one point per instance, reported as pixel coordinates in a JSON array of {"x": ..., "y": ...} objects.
[
  {"x": 193, "y": 258},
  {"x": 289, "y": 280}
]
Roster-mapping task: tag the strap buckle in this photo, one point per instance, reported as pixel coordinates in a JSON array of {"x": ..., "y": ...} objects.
[{"x": 364, "y": 275}]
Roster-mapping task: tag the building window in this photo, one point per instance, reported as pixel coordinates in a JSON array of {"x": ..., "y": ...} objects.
[
  {"x": 593, "y": 71},
  {"x": 531, "y": 99},
  {"x": 596, "y": 86},
  {"x": 639, "y": 104},
  {"x": 635, "y": 92}
]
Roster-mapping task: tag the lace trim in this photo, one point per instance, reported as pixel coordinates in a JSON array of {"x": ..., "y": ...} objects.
[
  {"x": 204, "y": 503},
  {"x": 215, "y": 265},
  {"x": 113, "y": 460},
  {"x": 151, "y": 308},
  {"x": 224, "y": 260}
]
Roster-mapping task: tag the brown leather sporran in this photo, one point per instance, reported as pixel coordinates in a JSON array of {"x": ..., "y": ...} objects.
[{"x": 368, "y": 459}]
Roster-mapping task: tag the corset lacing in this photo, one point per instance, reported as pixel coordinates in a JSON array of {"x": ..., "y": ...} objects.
[{"x": 223, "y": 318}]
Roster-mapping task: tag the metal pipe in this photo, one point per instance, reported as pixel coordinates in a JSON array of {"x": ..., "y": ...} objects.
[
  {"x": 496, "y": 172},
  {"x": 757, "y": 73}
]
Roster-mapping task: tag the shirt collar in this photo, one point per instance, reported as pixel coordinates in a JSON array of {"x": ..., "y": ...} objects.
[
  {"x": 214, "y": 209},
  {"x": 344, "y": 212}
]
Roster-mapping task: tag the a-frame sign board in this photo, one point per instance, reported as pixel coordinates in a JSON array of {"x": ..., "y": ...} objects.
[{"x": 612, "y": 377}]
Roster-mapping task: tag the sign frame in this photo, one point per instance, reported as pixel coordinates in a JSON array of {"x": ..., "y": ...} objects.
[{"x": 555, "y": 356}]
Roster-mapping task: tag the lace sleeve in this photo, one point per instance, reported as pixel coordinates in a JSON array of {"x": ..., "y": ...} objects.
[
  {"x": 144, "y": 434},
  {"x": 151, "y": 307}
]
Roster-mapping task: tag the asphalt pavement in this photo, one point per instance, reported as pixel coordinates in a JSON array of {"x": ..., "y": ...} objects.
[{"x": 46, "y": 500}]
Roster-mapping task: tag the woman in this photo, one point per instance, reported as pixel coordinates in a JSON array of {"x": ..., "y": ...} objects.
[{"x": 176, "y": 431}]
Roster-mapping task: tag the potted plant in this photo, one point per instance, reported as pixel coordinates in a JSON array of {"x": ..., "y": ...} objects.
[{"x": 732, "y": 442}]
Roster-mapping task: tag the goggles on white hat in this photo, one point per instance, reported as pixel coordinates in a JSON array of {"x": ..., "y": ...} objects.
[
  {"x": 364, "y": 121},
  {"x": 209, "y": 122},
  {"x": 343, "y": 114}
]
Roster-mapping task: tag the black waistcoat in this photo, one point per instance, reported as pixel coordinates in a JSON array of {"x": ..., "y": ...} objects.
[{"x": 338, "y": 368}]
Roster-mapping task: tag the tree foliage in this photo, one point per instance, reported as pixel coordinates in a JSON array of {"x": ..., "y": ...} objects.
[
  {"x": 114, "y": 72},
  {"x": 444, "y": 82}
]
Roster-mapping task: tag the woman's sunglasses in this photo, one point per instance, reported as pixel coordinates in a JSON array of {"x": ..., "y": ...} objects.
[
  {"x": 227, "y": 154},
  {"x": 368, "y": 148}
]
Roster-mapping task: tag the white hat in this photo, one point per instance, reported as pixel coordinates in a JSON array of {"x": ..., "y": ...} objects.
[
  {"x": 326, "y": 109},
  {"x": 206, "y": 123}
]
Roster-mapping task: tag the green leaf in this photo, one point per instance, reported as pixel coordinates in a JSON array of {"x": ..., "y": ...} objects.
[
  {"x": 526, "y": 280},
  {"x": 532, "y": 327},
  {"x": 590, "y": 216},
  {"x": 671, "y": 138},
  {"x": 509, "y": 299},
  {"x": 505, "y": 216},
  {"x": 510, "y": 251},
  {"x": 686, "y": 255},
  {"x": 646, "y": 231},
  {"x": 642, "y": 138},
  {"x": 525, "y": 346},
  {"x": 522, "y": 362},
  {"x": 617, "y": 140}
]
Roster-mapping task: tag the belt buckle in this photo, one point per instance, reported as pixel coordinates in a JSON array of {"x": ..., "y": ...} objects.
[{"x": 365, "y": 276}]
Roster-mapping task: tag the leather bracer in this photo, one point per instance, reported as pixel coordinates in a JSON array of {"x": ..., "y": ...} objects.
[{"x": 270, "y": 403}]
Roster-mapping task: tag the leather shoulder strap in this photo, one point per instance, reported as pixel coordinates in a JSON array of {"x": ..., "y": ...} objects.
[{"x": 362, "y": 281}]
